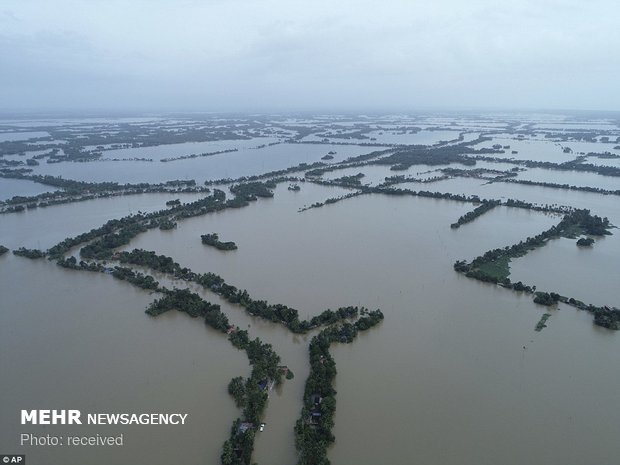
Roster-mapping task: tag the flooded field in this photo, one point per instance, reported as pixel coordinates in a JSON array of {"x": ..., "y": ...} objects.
[
  {"x": 244, "y": 162},
  {"x": 455, "y": 374}
]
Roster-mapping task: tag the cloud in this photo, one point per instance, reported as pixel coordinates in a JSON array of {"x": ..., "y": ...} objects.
[{"x": 241, "y": 54}]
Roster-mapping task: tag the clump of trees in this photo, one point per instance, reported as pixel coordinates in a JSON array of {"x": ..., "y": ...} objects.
[
  {"x": 331, "y": 200},
  {"x": 213, "y": 240},
  {"x": 167, "y": 224},
  {"x": 592, "y": 224},
  {"x": 102, "y": 249},
  {"x": 72, "y": 263},
  {"x": 441, "y": 155},
  {"x": 236, "y": 388},
  {"x": 29, "y": 253},
  {"x": 585, "y": 242},
  {"x": 160, "y": 263},
  {"x": 401, "y": 178},
  {"x": 542, "y": 322},
  {"x": 251, "y": 395},
  {"x": 136, "y": 278},
  {"x": 353, "y": 180},
  {"x": 468, "y": 217},
  {"x": 606, "y": 317},
  {"x": 546, "y": 298},
  {"x": 313, "y": 430},
  {"x": 250, "y": 191},
  {"x": 191, "y": 303},
  {"x": 3, "y": 250},
  {"x": 197, "y": 155}
]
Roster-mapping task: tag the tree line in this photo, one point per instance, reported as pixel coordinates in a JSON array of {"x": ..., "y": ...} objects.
[{"x": 492, "y": 266}]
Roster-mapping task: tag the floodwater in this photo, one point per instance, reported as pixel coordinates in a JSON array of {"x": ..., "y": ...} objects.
[
  {"x": 227, "y": 165},
  {"x": 590, "y": 269},
  {"x": 42, "y": 228},
  {"x": 530, "y": 149},
  {"x": 12, "y": 187},
  {"x": 455, "y": 374},
  {"x": 449, "y": 355},
  {"x": 98, "y": 352},
  {"x": 158, "y": 152},
  {"x": 573, "y": 178},
  {"x": 25, "y": 135},
  {"x": 390, "y": 136}
]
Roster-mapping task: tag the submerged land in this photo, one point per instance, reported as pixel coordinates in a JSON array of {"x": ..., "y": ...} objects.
[{"x": 502, "y": 189}]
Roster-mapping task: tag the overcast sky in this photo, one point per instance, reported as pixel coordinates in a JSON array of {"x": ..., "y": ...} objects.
[{"x": 336, "y": 55}]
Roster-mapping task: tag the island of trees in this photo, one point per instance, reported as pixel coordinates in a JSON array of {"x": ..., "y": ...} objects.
[
  {"x": 213, "y": 239},
  {"x": 475, "y": 213},
  {"x": 585, "y": 242}
]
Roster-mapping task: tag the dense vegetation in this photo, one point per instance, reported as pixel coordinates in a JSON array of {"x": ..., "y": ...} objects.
[
  {"x": 73, "y": 264},
  {"x": 443, "y": 155},
  {"x": 79, "y": 191},
  {"x": 313, "y": 430},
  {"x": 401, "y": 178},
  {"x": 353, "y": 180},
  {"x": 197, "y": 155},
  {"x": 29, "y": 253},
  {"x": 542, "y": 322},
  {"x": 546, "y": 298},
  {"x": 252, "y": 190},
  {"x": 276, "y": 313},
  {"x": 475, "y": 213},
  {"x": 136, "y": 278},
  {"x": 585, "y": 242},
  {"x": 331, "y": 200},
  {"x": 213, "y": 240}
]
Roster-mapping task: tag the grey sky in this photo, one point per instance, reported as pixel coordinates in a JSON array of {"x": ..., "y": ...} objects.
[{"x": 232, "y": 55}]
